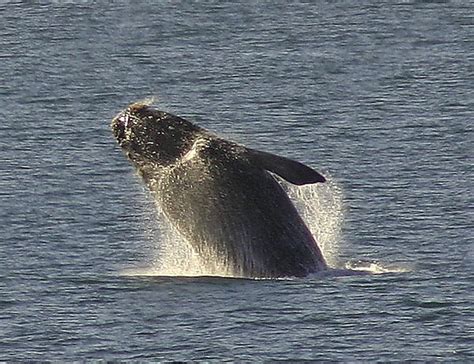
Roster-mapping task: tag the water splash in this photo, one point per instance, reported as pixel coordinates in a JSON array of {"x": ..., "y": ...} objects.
[
  {"x": 175, "y": 257},
  {"x": 169, "y": 254},
  {"x": 321, "y": 206}
]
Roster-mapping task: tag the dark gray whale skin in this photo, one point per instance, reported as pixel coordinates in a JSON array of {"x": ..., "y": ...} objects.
[{"x": 220, "y": 196}]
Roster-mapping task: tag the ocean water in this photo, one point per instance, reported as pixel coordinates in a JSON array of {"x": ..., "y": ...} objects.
[{"x": 378, "y": 96}]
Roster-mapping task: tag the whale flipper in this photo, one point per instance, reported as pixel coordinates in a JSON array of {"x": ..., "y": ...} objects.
[{"x": 288, "y": 169}]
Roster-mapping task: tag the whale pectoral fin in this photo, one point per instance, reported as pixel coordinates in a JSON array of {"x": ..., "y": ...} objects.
[{"x": 290, "y": 170}]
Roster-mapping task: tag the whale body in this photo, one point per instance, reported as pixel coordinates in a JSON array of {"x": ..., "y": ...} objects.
[{"x": 220, "y": 196}]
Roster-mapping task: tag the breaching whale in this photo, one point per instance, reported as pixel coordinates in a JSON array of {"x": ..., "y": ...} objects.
[{"x": 220, "y": 196}]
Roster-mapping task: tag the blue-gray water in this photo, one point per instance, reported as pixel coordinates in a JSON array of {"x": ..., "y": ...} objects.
[{"x": 378, "y": 95}]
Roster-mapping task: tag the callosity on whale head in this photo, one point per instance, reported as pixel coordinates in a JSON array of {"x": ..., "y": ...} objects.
[{"x": 148, "y": 135}]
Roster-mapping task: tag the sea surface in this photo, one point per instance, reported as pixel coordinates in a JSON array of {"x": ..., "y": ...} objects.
[{"x": 376, "y": 95}]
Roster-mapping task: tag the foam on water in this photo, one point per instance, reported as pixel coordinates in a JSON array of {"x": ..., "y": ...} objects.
[{"x": 375, "y": 267}]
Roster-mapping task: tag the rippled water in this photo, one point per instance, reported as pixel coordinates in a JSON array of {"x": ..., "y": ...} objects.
[{"x": 378, "y": 96}]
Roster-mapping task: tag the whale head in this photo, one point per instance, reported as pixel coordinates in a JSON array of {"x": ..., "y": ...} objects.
[{"x": 152, "y": 137}]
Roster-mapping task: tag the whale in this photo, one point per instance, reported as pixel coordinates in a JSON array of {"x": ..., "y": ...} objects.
[{"x": 224, "y": 199}]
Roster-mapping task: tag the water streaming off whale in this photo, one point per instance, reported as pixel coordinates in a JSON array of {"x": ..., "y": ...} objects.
[{"x": 321, "y": 206}]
